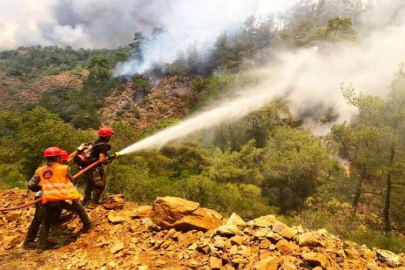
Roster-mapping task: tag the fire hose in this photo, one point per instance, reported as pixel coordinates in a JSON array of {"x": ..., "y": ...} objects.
[{"x": 38, "y": 200}]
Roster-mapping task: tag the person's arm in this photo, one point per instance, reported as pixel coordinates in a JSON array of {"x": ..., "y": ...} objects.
[
  {"x": 104, "y": 157},
  {"x": 34, "y": 183},
  {"x": 70, "y": 176},
  {"x": 72, "y": 156}
]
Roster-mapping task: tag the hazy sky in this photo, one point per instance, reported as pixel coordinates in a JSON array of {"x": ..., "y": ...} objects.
[{"x": 111, "y": 23}]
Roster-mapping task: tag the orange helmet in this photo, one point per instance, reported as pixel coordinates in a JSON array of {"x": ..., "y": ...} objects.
[
  {"x": 65, "y": 156},
  {"x": 105, "y": 132},
  {"x": 52, "y": 152}
]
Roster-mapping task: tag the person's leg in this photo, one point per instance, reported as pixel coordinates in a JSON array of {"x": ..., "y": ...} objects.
[
  {"x": 88, "y": 188},
  {"x": 100, "y": 181},
  {"x": 48, "y": 216},
  {"x": 34, "y": 227},
  {"x": 77, "y": 208}
]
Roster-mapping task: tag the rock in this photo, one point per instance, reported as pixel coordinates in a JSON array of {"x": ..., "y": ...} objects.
[
  {"x": 308, "y": 240},
  {"x": 219, "y": 243},
  {"x": 270, "y": 263},
  {"x": 142, "y": 211},
  {"x": 118, "y": 246},
  {"x": 160, "y": 263},
  {"x": 116, "y": 219},
  {"x": 269, "y": 221},
  {"x": 288, "y": 266},
  {"x": 227, "y": 230},
  {"x": 114, "y": 202},
  {"x": 229, "y": 267},
  {"x": 233, "y": 250},
  {"x": 388, "y": 257},
  {"x": 234, "y": 219},
  {"x": 288, "y": 233},
  {"x": 275, "y": 237},
  {"x": 262, "y": 232},
  {"x": 372, "y": 266},
  {"x": 215, "y": 263},
  {"x": 316, "y": 259},
  {"x": 11, "y": 241},
  {"x": 237, "y": 240},
  {"x": 172, "y": 212},
  {"x": 351, "y": 253},
  {"x": 13, "y": 216},
  {"x": 240, "y": 260},
  {"x": 286, "y": 247}
]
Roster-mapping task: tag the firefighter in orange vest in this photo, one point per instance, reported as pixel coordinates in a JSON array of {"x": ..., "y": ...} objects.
[
  {"x": 29, "y": 242},
  {"x": 55, "y": 182},
  {"x": 96, "y": 178}
]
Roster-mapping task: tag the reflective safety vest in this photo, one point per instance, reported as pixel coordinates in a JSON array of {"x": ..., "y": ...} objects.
[{"x": 55, "y": 184}]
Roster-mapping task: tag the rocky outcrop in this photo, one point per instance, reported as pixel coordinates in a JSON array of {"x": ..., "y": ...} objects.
[
  {"x": 126, "y": 239},
  {"x": 180, "y": 214}
]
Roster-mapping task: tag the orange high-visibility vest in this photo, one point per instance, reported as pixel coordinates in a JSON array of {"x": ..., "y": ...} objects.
[{"x": 55, "y": 184}]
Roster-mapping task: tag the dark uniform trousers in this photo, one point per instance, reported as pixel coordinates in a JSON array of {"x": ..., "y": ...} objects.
[
  {"x": 96, "y": 180},
  {"x": 50, "y": 210},
  {"x": 35, "y": 223}
]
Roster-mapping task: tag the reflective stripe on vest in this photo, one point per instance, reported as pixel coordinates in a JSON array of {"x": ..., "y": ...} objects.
[{"x": 55, "y": 184}]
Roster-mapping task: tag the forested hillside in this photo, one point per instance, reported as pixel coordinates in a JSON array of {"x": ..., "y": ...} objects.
[{"x": 350, "y": 181}]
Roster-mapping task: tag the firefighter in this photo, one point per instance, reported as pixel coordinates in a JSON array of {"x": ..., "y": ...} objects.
[
  {"x": 54, "y": 180},
  {"x": 96, "y": 178},
  {"x": 29, "y": 242}
]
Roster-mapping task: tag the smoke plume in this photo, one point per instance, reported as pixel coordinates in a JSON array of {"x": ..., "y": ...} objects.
[
  {"x": 110, "y": 23},
  {"x": 308, "y": 78}
]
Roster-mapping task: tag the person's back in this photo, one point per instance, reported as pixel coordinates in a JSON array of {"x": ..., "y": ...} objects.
[
  {"x": 55, "y": 182},
  {"x": 96, "y": 178}
]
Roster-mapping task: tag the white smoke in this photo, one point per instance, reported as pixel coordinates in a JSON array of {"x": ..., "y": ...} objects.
[
  {"x": 110, "y": 23},
  {"x": 309, "y": 77}
]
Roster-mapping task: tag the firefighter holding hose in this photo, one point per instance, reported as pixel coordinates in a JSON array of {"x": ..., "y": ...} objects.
[
  {"x": 55, "y": 182},
  {"x": 29, "y": 242},
  {"x": 96, "y": 178}
]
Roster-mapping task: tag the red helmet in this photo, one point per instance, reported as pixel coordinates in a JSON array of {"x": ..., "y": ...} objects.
[
  {"x": 52, "y": 152},
  {"x": 105, "y": 132},
  {"x": 65, "y": 156}
]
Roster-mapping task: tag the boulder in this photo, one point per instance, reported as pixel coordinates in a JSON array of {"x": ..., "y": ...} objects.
[
  {"x": 227, "y": 230},
  {"x": 316, "y": 259},
  {"x": 13, "y": 216},
  {"x": 388, "y": 257},
  {"x": 308, "y": 240},
  {"x": 270, "y": 263},
  {"x": 215, "y": 263},
  {"x": 116, "y": 219},
  {"x": 237, "y": 240},
  {"x": 142, "y": 211},
  {"x": 288, "y": 233},
  {"x": 234, "y": 219},
  {"x": 269, "y": 221},
  {"x": 117, "y": 247},
  {"x": 180, "y": 214},
  {"x": 286, "y": 247}
]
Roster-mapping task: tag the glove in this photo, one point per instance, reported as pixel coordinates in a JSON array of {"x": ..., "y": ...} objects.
[
  {"x": 112, "y": 157},
  {"x": 81, "y": 147}
]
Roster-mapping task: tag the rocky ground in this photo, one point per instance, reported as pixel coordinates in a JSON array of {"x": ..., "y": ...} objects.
[
  {"x": 179, "y": 234},
  {"x": 170, "y": 97}
]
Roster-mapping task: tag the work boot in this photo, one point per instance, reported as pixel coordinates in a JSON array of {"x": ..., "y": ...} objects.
[
  {"x": 48, "y": 246},
  {"x": 93, "y": 204},
  {"x": 29, "y": 245},
  {"x": 89, "y": 227}
]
